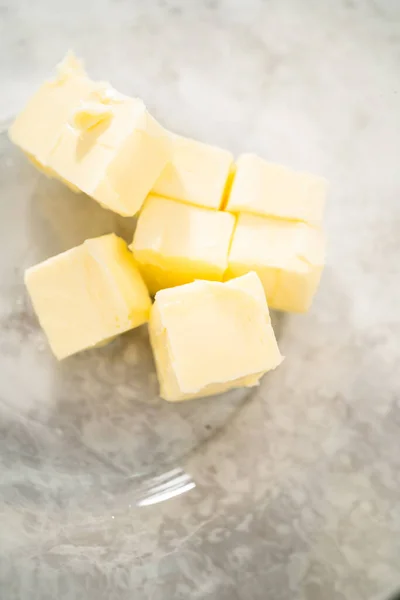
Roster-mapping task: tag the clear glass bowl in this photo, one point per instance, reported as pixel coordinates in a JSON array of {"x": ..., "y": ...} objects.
[
  {"x": 96, "y": 417},
  {"x": 296, "y": 494}
]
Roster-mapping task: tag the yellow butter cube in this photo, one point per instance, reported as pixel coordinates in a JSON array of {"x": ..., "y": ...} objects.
[
  {"x": 288, "y": 257},
  {"x": 270, "y": 190},
  {"x": 197, "y": 173},
  {"x": 175, "y": 243},
  {"x": 117, "y": 159},
  {"x": 94, "y": 139},
  {"x": 209, "y": 337},
  {"x": 37, "y": 128},
  {"x": 87, "y": 295}
]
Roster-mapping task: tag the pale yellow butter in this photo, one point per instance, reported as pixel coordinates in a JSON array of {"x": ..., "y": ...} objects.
[
  {"x": 175, "y": 243},
  {"x": 89, "y": 114},
  {"x": 197, "y": 173},
  {"x": 288, "y": 257},
  {"x": 94, "y": 139},
  {"x": 37, "y": 128},
  {"x": 87, "y": 295},
  {"x": 270, "y": 190},
  {"x": 117, "y": 160},
  {"x": 208, "y": 337}
]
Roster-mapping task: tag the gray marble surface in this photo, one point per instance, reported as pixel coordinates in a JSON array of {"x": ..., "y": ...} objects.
[{"x": 298, "y": 485}]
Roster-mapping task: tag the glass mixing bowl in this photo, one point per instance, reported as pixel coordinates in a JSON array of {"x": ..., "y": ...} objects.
[{"x": 93, "y": 423}]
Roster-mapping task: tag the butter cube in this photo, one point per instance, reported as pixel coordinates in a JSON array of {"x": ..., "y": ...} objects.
[
  {"x": 197, "y": 174},
  {"x": 88, "y": 295},
  {"x": 175, "y": 243},
  {"x": 288, "y": 257},
  {"x": 117, "y": 160},
  {"x": 94, "y": 139},
  {"x": 208, "y": 337},
  {"x": 267, "y": 189},
  {"x": 37, "y": 128}
]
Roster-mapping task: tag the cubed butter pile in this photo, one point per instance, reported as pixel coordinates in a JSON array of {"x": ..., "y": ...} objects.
[{"x": 216, "y": 241}]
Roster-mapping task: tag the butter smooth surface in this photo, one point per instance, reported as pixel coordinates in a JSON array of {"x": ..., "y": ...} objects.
[
  {"x": 93, "y": 138},
  {"x": 197, "y": 173},
  {"x": 175, "y": 243},
  {"x": 209, "y": 337},
  {"x": 87, "y": 295},
  {"x": 268, "y": 189},
  {"x": 288, "y": 257}
]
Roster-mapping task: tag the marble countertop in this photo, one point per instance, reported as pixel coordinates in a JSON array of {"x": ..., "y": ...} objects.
[{"x": 298, "y": 486}]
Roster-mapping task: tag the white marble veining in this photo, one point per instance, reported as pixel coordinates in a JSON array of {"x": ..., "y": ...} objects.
[{"x": 297, "y": 486}]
